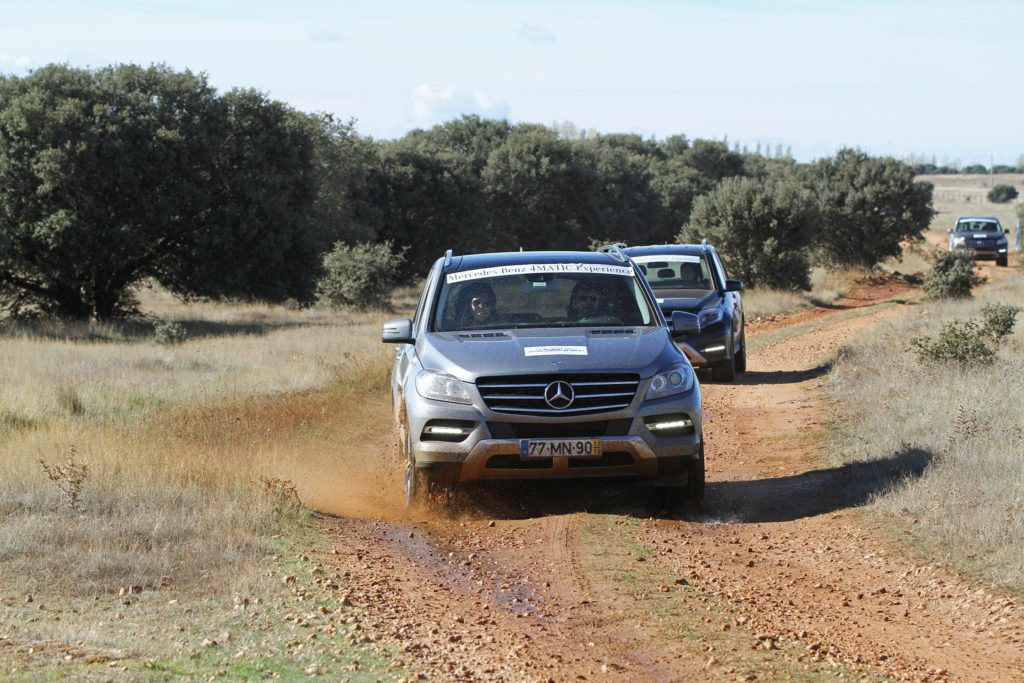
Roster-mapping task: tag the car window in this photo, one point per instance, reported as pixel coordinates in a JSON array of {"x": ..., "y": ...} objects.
[
  {"x": 978, "y": 226},
  {"x": 718, "y": 267},
  {"x": 417, "y": 317},
  {"x": 575, "y": 295},
  {"x": 677, "y": 275}
]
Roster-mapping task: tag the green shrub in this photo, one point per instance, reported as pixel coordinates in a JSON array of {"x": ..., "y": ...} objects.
[
  {"x": 761, "y": 227},
  {"x": 1000, "y": 194},
  {"x": 952, "y": 276},
  {"x": 959, "y": 341},
  {"x": 997, "y": 320},
  {"x": 169, "y": 332},
  {"x": 360, "y": 276}
]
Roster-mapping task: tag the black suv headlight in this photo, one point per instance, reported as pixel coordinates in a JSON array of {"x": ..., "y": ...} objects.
[
  {"x": 710, "y": 316},
  {"x": 675, "y": 379}
]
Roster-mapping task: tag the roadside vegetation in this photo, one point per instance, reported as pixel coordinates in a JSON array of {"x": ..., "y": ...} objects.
[
  {"x": 157, "y": 489},
  {"x": 943, "y": 386}
]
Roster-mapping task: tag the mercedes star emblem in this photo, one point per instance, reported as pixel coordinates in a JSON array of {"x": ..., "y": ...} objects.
[{"x": 559, "y": 395}]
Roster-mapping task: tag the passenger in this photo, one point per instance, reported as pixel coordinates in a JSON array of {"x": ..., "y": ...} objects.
[{"x": 476, "y": 305}]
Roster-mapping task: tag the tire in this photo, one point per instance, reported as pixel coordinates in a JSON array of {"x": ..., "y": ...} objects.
[
  {"x": 740, "y": 359},
  {"x": 724, "y": 371},
  {"x": 421, "y": 488},
  {"x": 695, "y": 481},
  {"x": 691, "y": 496},
  {"x": 417, "y": 486},
  {"x": 1001, "y": 262}
]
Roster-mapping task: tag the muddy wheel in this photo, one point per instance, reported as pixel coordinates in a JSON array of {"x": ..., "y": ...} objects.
[
  {"x": 1001, "y": 262},
  {"x": 417, "y": 483},
  {"x": 417, "y": 486},
  {"x": 724, "y": 371}
]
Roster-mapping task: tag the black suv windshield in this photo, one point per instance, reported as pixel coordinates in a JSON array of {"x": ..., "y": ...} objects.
[
  {"x": 577, "y": 297},
  {"x": 978, "y": 226},
  {"x": 677, "y": 275}
]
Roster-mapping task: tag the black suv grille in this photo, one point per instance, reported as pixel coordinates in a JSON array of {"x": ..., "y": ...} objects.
[{"x": 524, "y": 395}]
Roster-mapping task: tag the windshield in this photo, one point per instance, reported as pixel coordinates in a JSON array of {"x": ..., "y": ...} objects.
[
  {"x": 978, "y": 226},
  {"x": 574, "y": 295},
  {"x": 677, "y": 275}
]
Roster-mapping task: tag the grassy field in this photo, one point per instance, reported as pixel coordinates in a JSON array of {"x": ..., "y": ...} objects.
[
  {"x": 964, "y": 423},
  {"x": 965, "y": 195},
  {"x": 186, "y": 509}
]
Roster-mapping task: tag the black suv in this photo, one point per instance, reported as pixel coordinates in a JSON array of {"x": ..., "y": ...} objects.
[
  {"x": 983, "y": 235},
  {"x": 691, "y": 278}
]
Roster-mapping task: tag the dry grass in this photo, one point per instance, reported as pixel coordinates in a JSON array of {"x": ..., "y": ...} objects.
[
  {"x": 175, "y": 438},
  {"x": 965, "y": 195},
  {"x": 968, "y": 506},
  {"x": 191, "y": 451},
  {"x": 826, "y": 288}
]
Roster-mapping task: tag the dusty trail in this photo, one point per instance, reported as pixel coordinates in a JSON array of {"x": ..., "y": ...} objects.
[{"x": 780, "y": 576}]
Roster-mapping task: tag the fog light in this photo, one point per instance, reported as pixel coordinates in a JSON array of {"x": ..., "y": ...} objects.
[
  {"x": 674, "y": 424},
  {"x": 447, "y": 430},
  {"x": 452, "y": 431},
  {"x": 712, "y": 349}
]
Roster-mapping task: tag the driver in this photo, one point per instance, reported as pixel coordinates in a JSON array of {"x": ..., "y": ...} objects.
[
  {"x": 477, "y": 305},
  {"x": 587, "y": 302}
]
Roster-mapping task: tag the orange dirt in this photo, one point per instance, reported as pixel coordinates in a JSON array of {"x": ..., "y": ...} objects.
[{"x": 780, "y": 576}]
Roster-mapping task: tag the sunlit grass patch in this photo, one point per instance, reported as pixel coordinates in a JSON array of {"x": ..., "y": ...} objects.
[{"x": 968, "y": 506}]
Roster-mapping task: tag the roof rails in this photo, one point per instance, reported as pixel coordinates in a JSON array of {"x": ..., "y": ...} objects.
[
  {"x": 614, "y": 250},
  {"x": 704, "y": 242},
  {"x": 447, "y": 258}
]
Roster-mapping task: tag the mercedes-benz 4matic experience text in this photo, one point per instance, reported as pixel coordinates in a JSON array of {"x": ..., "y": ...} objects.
[{"x": 544, "y": 365}]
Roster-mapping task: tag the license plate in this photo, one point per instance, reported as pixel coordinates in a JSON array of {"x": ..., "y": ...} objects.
[{"x": 548, "y": 448}]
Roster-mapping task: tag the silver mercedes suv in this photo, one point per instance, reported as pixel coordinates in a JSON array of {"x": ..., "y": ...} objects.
[{"x": 544, "y": 365}]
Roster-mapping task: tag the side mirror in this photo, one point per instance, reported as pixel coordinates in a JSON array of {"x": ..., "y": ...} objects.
[
  {"x": 398, "y": 331},
  {"x": 1007, "y": 231},
  {"x": 683, "y": 323},
  {"x": 733, "y": 286},
  {"x": 950, "y": 231}
]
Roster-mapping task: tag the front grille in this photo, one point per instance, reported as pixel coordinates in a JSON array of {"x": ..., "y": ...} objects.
[
  {"x": 524, "y": 395},
  {"x": 559, "y": 430},
  {"x": 983, "y": 244}
]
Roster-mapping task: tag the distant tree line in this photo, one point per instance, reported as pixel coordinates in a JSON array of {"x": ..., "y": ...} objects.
[
  {"x": 925, "y": 165},
  {"x": 112, "y": 176}
]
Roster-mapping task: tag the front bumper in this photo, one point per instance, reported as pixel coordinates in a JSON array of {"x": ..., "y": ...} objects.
[{"x": 491, "y": 449}]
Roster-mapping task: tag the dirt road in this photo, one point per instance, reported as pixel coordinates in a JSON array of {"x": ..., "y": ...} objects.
[{"x": 780, "y": 576}]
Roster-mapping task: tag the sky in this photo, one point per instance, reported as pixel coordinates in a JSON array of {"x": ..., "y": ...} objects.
[{"x": 937, "y": 79}]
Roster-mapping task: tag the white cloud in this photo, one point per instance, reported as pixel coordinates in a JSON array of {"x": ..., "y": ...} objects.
[
  {"x": 327, "y": 37},
  {"x": 17, "y": 61},
  {"x": 432, "y": 104},
  {"x": 536, "y": 34}
]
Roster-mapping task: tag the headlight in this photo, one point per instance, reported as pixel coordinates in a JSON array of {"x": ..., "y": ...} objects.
[
  {"x": 675, "y": 379},
  {"x": 441, "y": 386},
  {"x": 958, "y": 241},
  {"x": 709, "y": 316}
]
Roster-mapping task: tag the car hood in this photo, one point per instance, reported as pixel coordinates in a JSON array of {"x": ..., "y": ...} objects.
[
  {"x": 691, "y": 305},
  {"x": 469, "y": 355}
]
